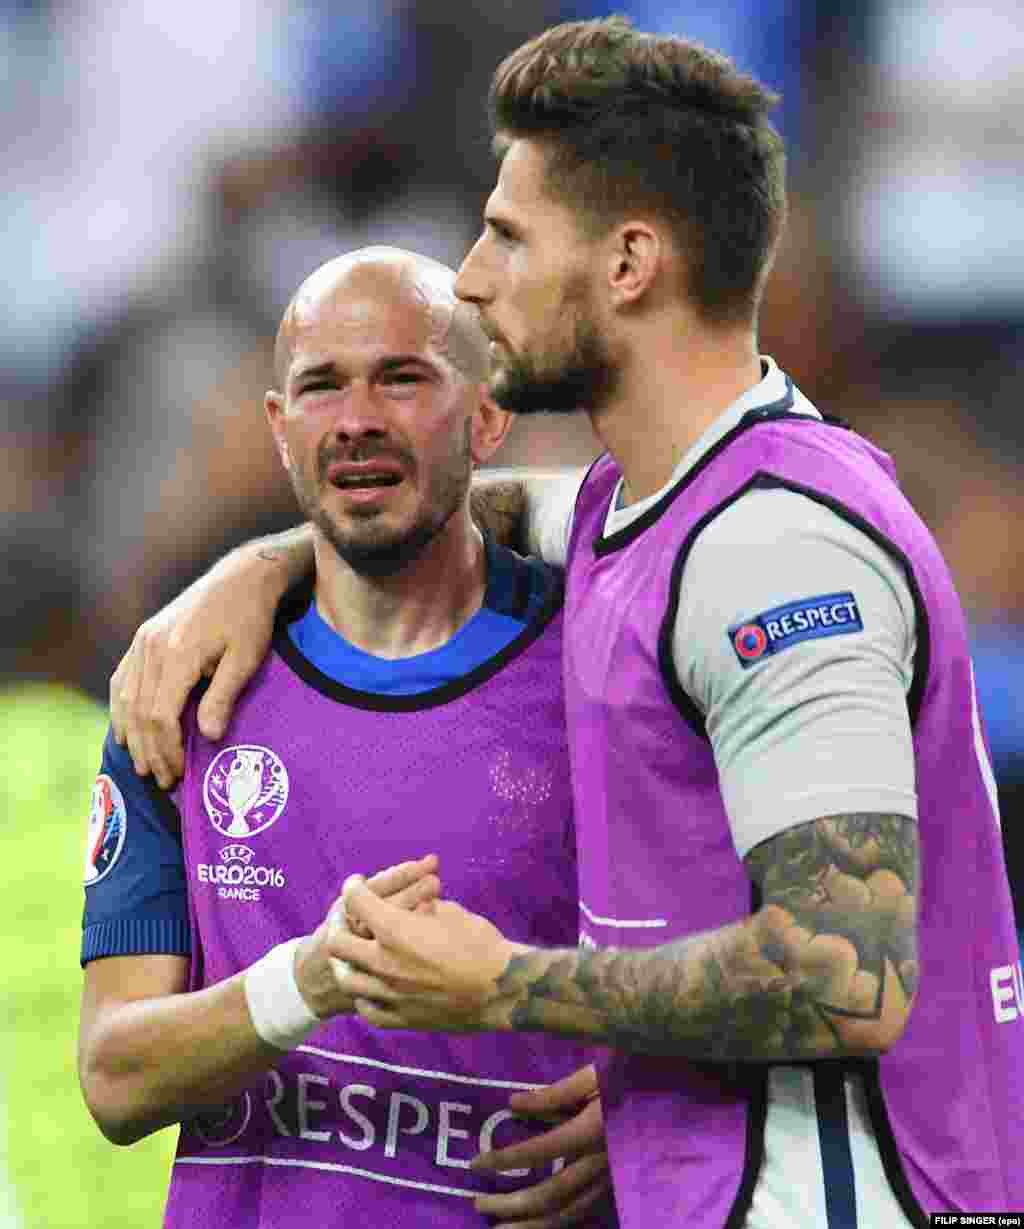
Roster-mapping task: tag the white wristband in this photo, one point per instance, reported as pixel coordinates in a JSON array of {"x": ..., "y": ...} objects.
[{"x": 279, "y": 1013}]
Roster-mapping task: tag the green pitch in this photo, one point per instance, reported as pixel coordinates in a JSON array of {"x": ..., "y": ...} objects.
[{"x": 63, "y": 1173}]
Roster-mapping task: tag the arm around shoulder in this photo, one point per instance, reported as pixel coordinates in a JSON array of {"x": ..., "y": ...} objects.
[
  {"x": 220, "y": 628},
  {"x": 529, "y": 510}
]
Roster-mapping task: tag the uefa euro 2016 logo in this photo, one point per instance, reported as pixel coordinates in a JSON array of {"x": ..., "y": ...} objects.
[{"x": 244, "y": 790}]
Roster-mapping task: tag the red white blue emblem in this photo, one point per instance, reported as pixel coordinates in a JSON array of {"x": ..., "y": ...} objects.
[
  {"x": 749, "y": 641},
  {"x": 108, "y": 823}
]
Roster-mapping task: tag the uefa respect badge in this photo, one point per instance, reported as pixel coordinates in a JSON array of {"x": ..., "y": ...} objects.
[{"x": 810, "y": 618}]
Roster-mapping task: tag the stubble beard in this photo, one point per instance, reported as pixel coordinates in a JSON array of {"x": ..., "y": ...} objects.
[
  {"x": 369, "y": 547},
  {"x": 582, "y": 380}
]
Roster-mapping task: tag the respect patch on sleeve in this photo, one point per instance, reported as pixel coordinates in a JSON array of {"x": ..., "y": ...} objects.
[{"x": 811, "y": 618}]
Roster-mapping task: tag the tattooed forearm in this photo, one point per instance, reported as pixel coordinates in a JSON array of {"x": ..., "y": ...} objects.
[
  {"x": 851, "y": 876},
  {"x": 825, "y": 968}
]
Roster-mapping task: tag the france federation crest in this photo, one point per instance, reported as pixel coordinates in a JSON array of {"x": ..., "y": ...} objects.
[
  {"x": 219, "y": 1127},
  {"x": 108, "y": 822},
  {"x": 244, "y": 790}
]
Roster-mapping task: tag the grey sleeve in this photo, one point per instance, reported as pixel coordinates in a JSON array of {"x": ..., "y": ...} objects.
[
  {"x": 550, "y": 503},
  {"x": 812, "y": 720}
]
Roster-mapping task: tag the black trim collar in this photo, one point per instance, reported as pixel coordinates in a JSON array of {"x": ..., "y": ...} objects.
[
  {"x": 298, "y": 599},
  {"x": 771, "y": 412}
]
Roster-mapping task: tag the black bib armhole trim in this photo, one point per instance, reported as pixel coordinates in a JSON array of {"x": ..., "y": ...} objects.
[
  {"x": 690, "y": 712},
  {"x": 773, "y": 412},
  {"x": 753, "y": 1149},
  {"x": 892, "y": 1166},
  {"x": 296, "y": 601}
]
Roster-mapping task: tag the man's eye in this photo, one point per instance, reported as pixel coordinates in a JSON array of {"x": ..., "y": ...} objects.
[
  {"x": 316, "y": 386},
  {"x": 405, "y": 377}
]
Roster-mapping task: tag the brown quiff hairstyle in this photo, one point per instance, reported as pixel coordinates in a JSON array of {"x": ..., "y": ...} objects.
[{"x": 634, "y": 121}]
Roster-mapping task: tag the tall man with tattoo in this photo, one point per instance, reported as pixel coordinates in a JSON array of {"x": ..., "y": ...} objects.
[{"x": 797, "y": 935}]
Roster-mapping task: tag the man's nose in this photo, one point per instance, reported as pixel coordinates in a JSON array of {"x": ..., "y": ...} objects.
[
  {"x": 471, "y": 283},
  {"x": 358, "y": 415}
]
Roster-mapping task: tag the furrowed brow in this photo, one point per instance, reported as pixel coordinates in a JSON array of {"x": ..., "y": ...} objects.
[{"x": 306, "y": 373}]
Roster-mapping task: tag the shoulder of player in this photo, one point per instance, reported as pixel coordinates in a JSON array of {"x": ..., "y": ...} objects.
[
  {"x": 137, "y": 791},
  {"x": 762, "y": 516},
  {"x": 520, "y": 586},
  {"x": 773, "y": 549},
  {"x": 550, "y": 506},
  {"x": 793, "y": 526}
]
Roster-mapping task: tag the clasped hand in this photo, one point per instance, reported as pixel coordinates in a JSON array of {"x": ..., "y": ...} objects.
[
  {"x": 325, "y": 981},
  {"x": 437, "y": 969},
  {"x": 404, "y": 959}
]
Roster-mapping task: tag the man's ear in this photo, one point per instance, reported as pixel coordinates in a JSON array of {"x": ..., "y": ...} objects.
[
  {"x": 488, "y": 427},
  {"x": 273, "y": 405},
  {"x": 636, "y": 257}
]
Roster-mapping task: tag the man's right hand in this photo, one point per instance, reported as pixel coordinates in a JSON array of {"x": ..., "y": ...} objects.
[
  {"x": 220, "y": 628},
  {"x": 318, "y": 966}
]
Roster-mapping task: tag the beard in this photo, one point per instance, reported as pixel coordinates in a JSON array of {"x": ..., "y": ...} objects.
[
  {"x": 579, "y": 380},
  {"x": 368, "y": 545}
]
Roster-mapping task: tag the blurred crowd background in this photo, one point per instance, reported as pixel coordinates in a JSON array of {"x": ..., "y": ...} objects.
[{"x": 173, "y": 170}]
